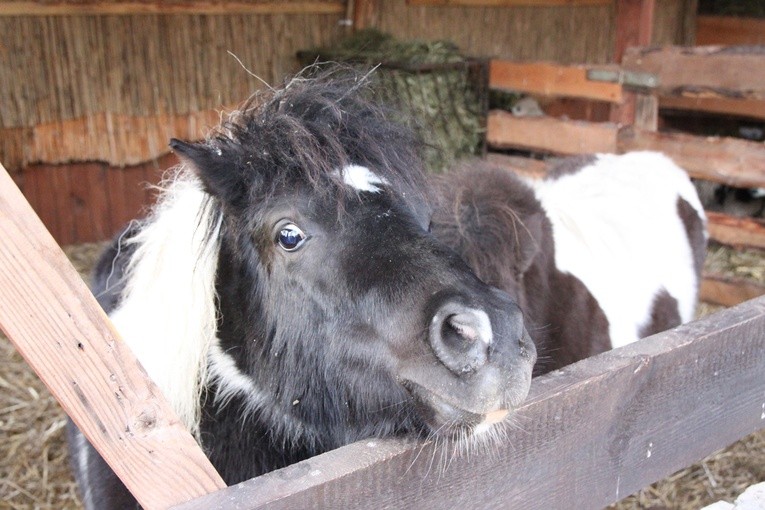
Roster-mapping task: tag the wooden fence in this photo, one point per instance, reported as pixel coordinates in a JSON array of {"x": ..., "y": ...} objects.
[
  {"x": 710, "y": 80},
  {"x": 587, "y": 436}
]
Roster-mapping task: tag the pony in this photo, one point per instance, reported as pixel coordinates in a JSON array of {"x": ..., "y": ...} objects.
[
  {"x": 604, "y": 250},
  {"x": 302, "y": 284},
  {"x": 287, "y": 296}
]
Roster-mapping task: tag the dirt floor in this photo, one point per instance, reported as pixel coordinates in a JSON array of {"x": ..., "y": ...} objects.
[{"x": 34, "y": 469}]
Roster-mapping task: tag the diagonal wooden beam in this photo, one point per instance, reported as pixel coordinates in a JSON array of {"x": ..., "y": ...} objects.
[{"x": 58, "y": 327}]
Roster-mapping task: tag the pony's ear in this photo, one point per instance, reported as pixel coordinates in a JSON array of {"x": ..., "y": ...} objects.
[
  {"x": 530, "y": 236},
  {"x": 213, "y": 166}
]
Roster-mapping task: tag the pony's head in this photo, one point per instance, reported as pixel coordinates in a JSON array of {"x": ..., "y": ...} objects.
[{"x": 338, "y": 314}]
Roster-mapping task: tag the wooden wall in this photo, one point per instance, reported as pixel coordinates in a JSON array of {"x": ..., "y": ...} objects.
[
  {"x": 112, "y": 89},
  {"x": 87, "y": 202}
]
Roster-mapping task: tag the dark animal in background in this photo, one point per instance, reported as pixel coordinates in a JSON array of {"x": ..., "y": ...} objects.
[
  {"x": 302, "y": 285},
  {"x": 741, "y": 202},
  {"x": 605, "y": 250}
]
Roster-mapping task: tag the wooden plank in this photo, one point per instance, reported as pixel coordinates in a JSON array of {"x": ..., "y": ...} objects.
[
  {"x": 588, "y": 435},
  {"x": 364, "y": 14},
  {"x": 735, "y": 231},
  {"x": 89, "y": 207},
  {"x": 526, "y": 167},
  {"x": 729, "y": 30},
  {"x": 59, "y": 192},
  {"x": 121, "y": 209},
  {"x": 731, "y": 161},
  {"x": 99, "y": 7},
  {"x": 37, "y": 187},
  {"x": 546, "y": 134},
  {"x": 736, "y": 71},
  {"x": 714, "y": 103},
  {"x": 543, "y": 78},
  {"x": 56, "y": 324},
  {"x": 727, "y": 291},
  {"x": 646, "y": 114},
  {"x": 634, "y": 27},
  {"x": 505, "y": 3}
]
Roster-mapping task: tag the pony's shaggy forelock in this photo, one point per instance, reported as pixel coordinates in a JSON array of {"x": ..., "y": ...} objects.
[{"x": 313, "y": 126}]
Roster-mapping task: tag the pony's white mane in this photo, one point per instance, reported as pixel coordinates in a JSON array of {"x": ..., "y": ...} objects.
[{"x": 167, "y": 313}]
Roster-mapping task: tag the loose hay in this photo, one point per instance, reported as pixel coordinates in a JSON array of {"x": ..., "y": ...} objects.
[{"x": 34, "y": 468}]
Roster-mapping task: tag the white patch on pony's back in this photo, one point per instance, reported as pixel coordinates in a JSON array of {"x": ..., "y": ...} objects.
[
  {"x": 167, "y": 314},
  {"x": 362, "y": 178},
  {"x": 614, "y": 223}
]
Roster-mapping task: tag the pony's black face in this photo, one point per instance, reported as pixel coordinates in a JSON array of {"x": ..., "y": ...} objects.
[{"x": 347, "y": 315}]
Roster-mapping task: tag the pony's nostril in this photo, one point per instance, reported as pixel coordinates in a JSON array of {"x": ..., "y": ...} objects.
[
  {"x": 460, "y": 337},
  {"x": 468, "y": 328}
]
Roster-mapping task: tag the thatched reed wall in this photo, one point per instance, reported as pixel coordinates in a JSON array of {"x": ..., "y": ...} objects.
[
  {"x": 565, "y": 34},
  {"x": 113, "y": 86}
]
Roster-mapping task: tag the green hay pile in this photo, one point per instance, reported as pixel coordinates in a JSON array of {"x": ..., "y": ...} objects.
[{"x": 440, "y": 92}]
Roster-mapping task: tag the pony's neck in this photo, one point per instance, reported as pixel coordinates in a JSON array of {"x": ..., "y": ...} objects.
[{"x": 167, "y": 313}]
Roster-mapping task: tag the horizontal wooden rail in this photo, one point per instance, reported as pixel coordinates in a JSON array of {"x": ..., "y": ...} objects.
[
  {"x": 505, "y": 3},
  {"x": 735, "y": 231},
  {"x": 729, "y": 161},
  {"x": 712, "y": 103},
  {"x": 588, "y": 435},
  {"x": 547, "y": 79},
  {"x": 733, "y": 71},
  {"x": 99, "y": 7},
  {"x": 548, "y": 134},
  {"x": 58, "y": 327},
  {"x": 729, "y": 30},
  {"x": 727, "y": 291}
]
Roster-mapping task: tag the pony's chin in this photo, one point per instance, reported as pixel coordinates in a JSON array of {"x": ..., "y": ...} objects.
[{"x": 446, "y": 419}]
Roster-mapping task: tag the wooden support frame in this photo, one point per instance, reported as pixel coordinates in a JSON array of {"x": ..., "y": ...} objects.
[
  {"x": 588, "y": 435},
  {"x": 737, "y": 232},
  {"x": 505, "y": 3},
  {"x": 714, "y": 103},
  {"x": 544, "y": 78},
  {"x": 132, "y": 7},
  {"x": 58, "y": 327},
  {"x": 729, "y": 161},
  {"x": 698, "y": 69},
  {"x": 634, "y": 27}
]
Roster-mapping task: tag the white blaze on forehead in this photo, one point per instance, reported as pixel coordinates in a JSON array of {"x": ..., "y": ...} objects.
[{"x": 362, "y": 178}]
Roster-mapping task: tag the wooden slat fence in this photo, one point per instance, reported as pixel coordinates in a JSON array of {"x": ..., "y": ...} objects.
[{"x": 727, "y": 80}]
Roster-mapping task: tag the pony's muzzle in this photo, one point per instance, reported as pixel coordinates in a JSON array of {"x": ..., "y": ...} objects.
[{"x": 460, "y": 337}]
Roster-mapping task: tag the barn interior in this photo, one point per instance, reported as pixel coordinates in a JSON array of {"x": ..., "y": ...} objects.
[{"x": 92, "y": 90}]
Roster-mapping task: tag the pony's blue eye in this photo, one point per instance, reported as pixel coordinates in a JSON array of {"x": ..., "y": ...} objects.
[{"x": 290, "y": 237}]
